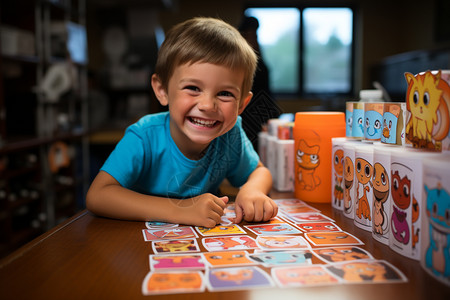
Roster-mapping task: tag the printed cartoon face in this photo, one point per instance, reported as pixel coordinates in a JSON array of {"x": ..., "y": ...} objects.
[
  {"x": 295, "y": 276},
  {"x": 348, "y": 172},
  {"x": 281, "y": 242},
  {"x": 308, "y": 156},
  {"x": 438, "y": 207},
  {"x": 221, "y": 230},
  {"x": 358, "y": 123},
  {"x": 360, "y": 271},
  {"x": 332, "y": 238},
  {"x": 173, "y": 281},
  {"x": 380, "y": 183},
  {"x": 338, "y": 161},
  {"x": 177, "y": 261},
  {"x": 389, "y": 128},
  {"x": 281, "y": 258},
  {"x": 318, "y": 226},
  {"x": 224, "y": 258},
  {"x": 363, "y": 170},
  {"x": 342, "y": 254},
  {"x": 401, "y": 190},
  {"x": 348, "y": 119},
  {"x": 373, "y": 121},
  {"x": 175, "y": 246},
  {"x": 237, "y": 276},
  {"x": 229, "y": 243}
]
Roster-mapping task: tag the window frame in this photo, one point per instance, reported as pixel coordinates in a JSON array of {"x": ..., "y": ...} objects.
[{"x": 301, "y": 66}]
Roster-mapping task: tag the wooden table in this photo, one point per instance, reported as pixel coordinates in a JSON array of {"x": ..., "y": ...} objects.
[{"x": 89, "y": 257}]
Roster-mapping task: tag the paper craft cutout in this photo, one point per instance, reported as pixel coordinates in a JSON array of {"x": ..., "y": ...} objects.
[
  {"x": 229, "y": 243},
  {"x": 309, "y": 217},
  {"x": 269, "y": 229},
  {"x": 303, "y": 276},
  {"x": 338, "y": 254},
  {"x": 237, "y": 278},
  {"x": 282, "y": 258},
  {"x": 159, "y": 225},
  {"x": 370, "y": 271},
  {"x": 282, "y": 242},
  {"x": 173, "y": 282},
  {"x": 220, "y": 230},
  {"x": 318, "y": 226},
  {"x": 332, "y": 238},
  {"x": 227, "y": 259},
  {"x": 167, "y": 234},
  {"x": 178, "y": 246},
  {"x": 176, "y": 261}
]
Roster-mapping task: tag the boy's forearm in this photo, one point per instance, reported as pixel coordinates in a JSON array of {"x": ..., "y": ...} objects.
[{"x": 260, "y": 179}]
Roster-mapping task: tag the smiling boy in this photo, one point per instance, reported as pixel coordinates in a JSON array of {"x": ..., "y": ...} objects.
[{"x": 168, "y": 166}]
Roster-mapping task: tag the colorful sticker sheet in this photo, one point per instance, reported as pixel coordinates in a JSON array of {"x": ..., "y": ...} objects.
[{"x": 300, "y": 247}]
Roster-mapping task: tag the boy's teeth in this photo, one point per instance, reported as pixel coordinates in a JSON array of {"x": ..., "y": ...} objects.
[{"x": 202, "y": 122}]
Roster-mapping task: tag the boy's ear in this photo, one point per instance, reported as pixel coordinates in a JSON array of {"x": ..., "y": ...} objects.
[
  {"x": 245, "y": 102},
  {"x": 160, "y": 91}
]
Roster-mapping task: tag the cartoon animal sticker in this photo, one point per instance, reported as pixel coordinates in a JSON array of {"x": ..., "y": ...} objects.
[
  {"x": 338, "y": 254},
  {"x": 220, "y": 230},
  {"x": 348, "y": 183},
  {"x": 381, "y": 191},
  {"x": 428, "y": 101},
  {"x": 237, "y": 278},
  {"x": 302, "y": 276},
  {"x": 220, "y": 243},
  {"x": 358, "y": 120},
  {"x": 227, "y": 258},
  {"x": 281, "y": 242},
  {"x": 307, "y": 160},
  {"x": 335, "y": 238},
  {"x": 172, "y": 246},
  {"x": 173, "y": 282},
  {"x": 282, "y": 258},
  {"x": 366, "y": 271},
  {"x": 270, "y": 229},
  {"x": 176, "y": 261},
  {"x": 364, "y": 172},
  {"x": 373, "y": 116},
  {"x": 338, "y": 167}
]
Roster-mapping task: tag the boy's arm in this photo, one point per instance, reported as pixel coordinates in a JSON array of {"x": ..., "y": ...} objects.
[
  {"x": 106, "y": 197},
  {"x": 252, "y": 201}
]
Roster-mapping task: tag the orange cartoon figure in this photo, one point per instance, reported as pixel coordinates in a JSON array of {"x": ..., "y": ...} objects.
[
  {"x": 175, "y": 246},
  {"x": 364, "y": 175},
  {"x": 298, "y": 276},
  {"x": 415, "y": 217},
  {"x": 380, "y": 183},
  {"x": 338, "y": 163},
  {"x": 160, "y": 282},
  {"x": 332, "y": 238},
  {"x": 339, "y": 254},
  {"x": 308, "y": 161},
  {"x": 364, "y": 271},
  {"x": 348, "y": 183},
  {"x": 428, "y": 101}
]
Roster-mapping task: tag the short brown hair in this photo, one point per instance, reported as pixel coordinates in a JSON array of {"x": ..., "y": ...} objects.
[{"x": 207, "y": 40}]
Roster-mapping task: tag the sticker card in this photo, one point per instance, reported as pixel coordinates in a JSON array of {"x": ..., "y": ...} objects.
[
  {"x": 335, "y": 238},
  {"x": 289, "y": 202},
  {"x": 368, "y": 271},
  {"x": 221, "y": 230},
  {"x": 270, "y": 229},
  {"x": 167, "y": 234},
  {"x": 175, "y": 246},
  {"x": 225, "y": 243},
  {"x": 283, "y": 258},
  {"x": 318, "y": 226},
  {"x": 219, "y": 259},
  {"x": 173, "y": 282},
  {"x": 239, "y": 278},
  {"x": 309, "y": 217},
  {"x": 298, "y": 210},
  {"x": 338, "y": 254},
  {"x": 298, "y": 276},
  {"x": 176, "y": 261},
  {"x": 159, "y": 225},
  {"x": 281, "y": 242}
]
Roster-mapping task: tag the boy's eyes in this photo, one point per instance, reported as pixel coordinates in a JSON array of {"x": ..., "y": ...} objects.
[
  {"x": 192, "y": 88},
  {"x": 222, "y": 94},
  {"x": 225, "y": 94}
]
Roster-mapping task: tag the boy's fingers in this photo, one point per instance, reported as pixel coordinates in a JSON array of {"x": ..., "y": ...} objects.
[{"x": 239, "y": 213}]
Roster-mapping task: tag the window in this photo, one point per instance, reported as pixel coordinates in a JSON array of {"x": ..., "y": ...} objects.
[{"x": 308, "y": 50}]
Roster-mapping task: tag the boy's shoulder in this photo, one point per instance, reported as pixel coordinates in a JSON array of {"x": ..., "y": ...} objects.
[{"x": 151, "y": 120}]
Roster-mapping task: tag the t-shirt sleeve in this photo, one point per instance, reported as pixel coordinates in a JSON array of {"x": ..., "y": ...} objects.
[
  {"x": 126, "y": 161},
  {"x": 246, "y": 159}
]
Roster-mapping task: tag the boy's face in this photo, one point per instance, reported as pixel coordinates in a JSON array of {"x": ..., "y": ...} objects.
[{"x": 204, "y": 103}]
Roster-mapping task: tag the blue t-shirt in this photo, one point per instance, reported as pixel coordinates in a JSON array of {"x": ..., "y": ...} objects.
[{"x": 148, "y": 161}]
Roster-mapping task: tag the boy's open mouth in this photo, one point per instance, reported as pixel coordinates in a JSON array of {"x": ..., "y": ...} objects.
[{"x": 202, "y": 122}]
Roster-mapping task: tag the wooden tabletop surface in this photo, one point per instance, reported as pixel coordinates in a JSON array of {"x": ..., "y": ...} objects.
[{"x": 89, "y": 257}]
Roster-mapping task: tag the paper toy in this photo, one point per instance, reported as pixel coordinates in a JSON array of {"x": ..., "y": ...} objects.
[
  {"x": 332, "y": 238},
  {"x": 220, "y": 243},
  {"x": 167, "y": 234},
  {"x": 220, "y": 230},
  {"x": 364, "y": 193},
  {"x": 282, "y": 258},
  {"x": 373, "y": 120},
  {"x": 281, "y": 242},
  {"x": 373, "y": 271},
  {"x": 227, "y": 259},
  {"x": 238, "y": 278},
  {"x": 175, "y": 246},
  {"x": 318, "y": 226},
  {"x": 394, "y": 116},
  {"x": 338, "y": 254},
  {"x": 381, "y": 197},
  {"x": 270, "y": 229},
  {"x": 297, "y": 276},
  {"x": 173, "y": 282},
  {"x": 176, "y": 261}
]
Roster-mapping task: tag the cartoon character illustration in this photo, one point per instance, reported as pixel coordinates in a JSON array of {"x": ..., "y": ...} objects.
[
  {"x": 298, "y": 276},
  {"x": 229, "y": 243},
  {"x": 372, "y": 128},
  {"x": 281, "y": 242},
  {"x": 318, "y": 226},
  {"x": 269, "y": 229},
  {"x": 282, "y": 258},
  {"x": 381, "y": 185},
  {"x": 339, "y": 254},
  {"x": 175, "y": 246},
  {"x": 160, "y": 262},
  {"x": 389, "y": 128},
  {"x": 358, "y": 122},
  {"x": 348, "y": 119},
  {"x": 166, "y": 234},
  {"x": 414, "y": 217},
  {"x": 364, "y": 271},
  {"x": 237, "y": 277},
  {"x": 338, "y": 163},
  {"x": 428, "y": 101},
  {"x": 332, "y": 238},
  {"x": 364, "y": 172},
  {"x": 158, "y": 282},
  {"x": 227, "y": 258},
  {"x": 401, "y": 195},
  {"x": 221, "y": 230},
  {"x": 348, "y": 183},
  {"x": 308, "y": 160},
  {"x": 437, "y": 257}
]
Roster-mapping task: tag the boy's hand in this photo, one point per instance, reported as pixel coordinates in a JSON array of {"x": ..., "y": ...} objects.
[
  {"x": 254, "y": 206},
  {"x": 205, "y": 210}
]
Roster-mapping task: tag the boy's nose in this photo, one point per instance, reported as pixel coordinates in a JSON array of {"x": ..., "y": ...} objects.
[{"x": 207, "y": 103}]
